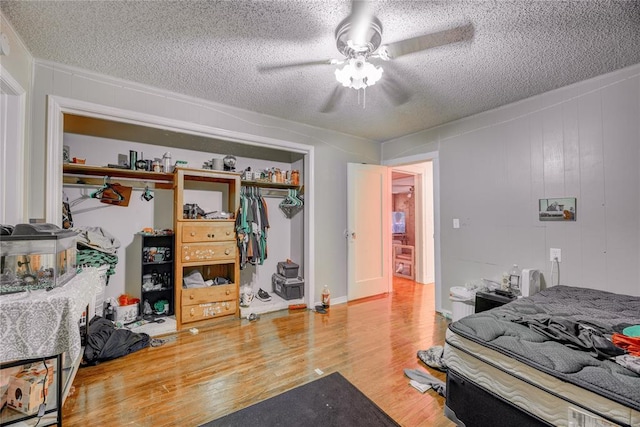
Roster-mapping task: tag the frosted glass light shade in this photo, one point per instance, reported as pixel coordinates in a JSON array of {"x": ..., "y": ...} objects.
[{"x": 358, "y": 74}]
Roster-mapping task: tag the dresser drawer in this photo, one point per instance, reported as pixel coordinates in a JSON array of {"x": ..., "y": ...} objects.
[
  {"x": 193, "y": 313},
  {"x": 208, "y": 232},
  {"x": 198, "y": 252},
  {"x": 211, "y": 293}
]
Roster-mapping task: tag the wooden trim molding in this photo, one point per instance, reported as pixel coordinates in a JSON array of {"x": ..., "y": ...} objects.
[{"x": 10, "y": 87}]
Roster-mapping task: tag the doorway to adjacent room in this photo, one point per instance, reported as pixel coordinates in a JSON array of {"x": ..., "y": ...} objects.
[{"x": 376, "y": 234}]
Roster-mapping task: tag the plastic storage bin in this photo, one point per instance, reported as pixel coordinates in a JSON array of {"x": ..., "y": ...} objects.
[
  {"x": 287, "y": 288},
  {"x": 288, "y": 269},
  {"x": 462, "y": 302},
  {"x": 126, "y": 313}
]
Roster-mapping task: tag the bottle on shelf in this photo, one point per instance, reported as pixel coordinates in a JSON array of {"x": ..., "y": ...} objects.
[{"x": 166, "y": 163}]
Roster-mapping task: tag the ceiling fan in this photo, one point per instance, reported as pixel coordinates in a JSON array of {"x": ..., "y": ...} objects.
[{"x": 359, "y": 40}]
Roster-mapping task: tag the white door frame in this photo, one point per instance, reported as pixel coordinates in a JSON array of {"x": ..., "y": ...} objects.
[
  {"x": 13, "y": 132},
  {"x": 57, "y": 106},
  {"x": 420, "y": 158}
]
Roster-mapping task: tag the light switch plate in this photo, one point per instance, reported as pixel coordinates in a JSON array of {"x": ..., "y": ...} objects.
[{"x": 456, "y": 223}]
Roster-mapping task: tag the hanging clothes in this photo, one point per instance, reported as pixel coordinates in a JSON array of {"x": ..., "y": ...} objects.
[{"x": 252, "y": 223}]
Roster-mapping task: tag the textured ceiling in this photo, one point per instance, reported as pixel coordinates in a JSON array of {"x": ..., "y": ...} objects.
[{"x": 213, "y": 49}]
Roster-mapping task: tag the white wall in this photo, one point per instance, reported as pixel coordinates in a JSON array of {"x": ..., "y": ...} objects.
[
  {"x": 581, "y": 141},
  {"x": 332, "y": 150}
]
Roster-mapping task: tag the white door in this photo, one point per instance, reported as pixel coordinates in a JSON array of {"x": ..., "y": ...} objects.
[{"x": 369, "y": 230}]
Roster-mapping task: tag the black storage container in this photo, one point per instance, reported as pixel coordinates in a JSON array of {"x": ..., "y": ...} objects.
[
  {"x": 288, "y": 269},
  {"x": 488, "y": 300},
  {"x": 287, "y": 288}
]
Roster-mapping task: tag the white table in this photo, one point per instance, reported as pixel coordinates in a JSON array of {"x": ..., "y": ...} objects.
[{"x": 43, "y": 325}]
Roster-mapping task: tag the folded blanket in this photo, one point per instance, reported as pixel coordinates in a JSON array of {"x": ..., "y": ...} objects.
[{"x": 97, "y": 238}]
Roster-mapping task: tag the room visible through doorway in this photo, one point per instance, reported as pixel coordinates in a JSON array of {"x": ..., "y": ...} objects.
[{"x": 412, "y": 225}]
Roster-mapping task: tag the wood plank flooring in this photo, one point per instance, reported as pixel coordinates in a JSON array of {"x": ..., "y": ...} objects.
[{"x": 234, "y": 363}]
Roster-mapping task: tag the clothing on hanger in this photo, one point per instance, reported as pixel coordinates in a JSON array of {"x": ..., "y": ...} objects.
[{"x": 252, "y": 223}]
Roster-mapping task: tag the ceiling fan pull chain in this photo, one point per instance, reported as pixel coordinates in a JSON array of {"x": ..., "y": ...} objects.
[{"x": 362, "y": 101}]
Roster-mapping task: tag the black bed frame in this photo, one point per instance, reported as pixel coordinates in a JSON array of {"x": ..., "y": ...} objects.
[{"x": 470, "y": 405}]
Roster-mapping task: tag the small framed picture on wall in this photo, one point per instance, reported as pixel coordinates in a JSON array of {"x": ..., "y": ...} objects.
[{"x": 562, "y": 209}]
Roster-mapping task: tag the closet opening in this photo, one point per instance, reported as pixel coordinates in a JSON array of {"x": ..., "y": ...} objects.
[{"x": 107, "y": 135}]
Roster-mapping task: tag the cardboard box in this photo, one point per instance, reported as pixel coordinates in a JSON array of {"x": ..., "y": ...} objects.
[
  {"x": 39, "y": 369},
  {"x": 126, "y": 313},
  {"x": 27, "y": 389}
]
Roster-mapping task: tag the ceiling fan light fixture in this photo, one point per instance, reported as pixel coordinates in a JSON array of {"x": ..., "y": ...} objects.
[{"x": 358, "y": 73}]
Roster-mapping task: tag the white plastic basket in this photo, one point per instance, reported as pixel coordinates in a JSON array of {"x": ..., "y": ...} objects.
[{"x": 462, "y": 302}]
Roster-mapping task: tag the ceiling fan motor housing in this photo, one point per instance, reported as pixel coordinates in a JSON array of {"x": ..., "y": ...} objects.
[{"x": 372, "y": 39}]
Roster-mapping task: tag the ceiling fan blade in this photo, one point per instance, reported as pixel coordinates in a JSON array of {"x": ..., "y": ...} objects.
[
  {"x": 267, "y": 68},
  {"x": 333, "y": 100},
  {"x": 397, "y": 93},
  {"x": 427, "y": 41}
]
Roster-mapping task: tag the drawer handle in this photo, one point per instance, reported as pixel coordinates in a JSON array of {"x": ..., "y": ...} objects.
[
  {"x": 193, "y": 233},
  {"x": 227, "y": 251},
  {"x": 228, "y": 292},
  {"x": 211, "y": 235},
  {"x": 192, "y": 312},
  {"x": 228, "y": 232},
  {"x": 192, "y": 296}
]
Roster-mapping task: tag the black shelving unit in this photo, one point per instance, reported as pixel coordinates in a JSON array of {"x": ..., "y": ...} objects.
[{"x": 150, "y": 271}]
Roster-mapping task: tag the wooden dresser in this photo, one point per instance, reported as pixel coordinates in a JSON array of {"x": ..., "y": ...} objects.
[{"x": 208, "y": 246}]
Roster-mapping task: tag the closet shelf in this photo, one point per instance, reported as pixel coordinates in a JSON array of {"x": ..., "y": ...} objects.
[
  {"x": 94, "y": 175},
  {"x": 84, "y": 175}
]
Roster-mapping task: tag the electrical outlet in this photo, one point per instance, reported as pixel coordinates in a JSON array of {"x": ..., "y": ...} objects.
[
  {"x": 456, "y": 223},
  {"x": 555, "y": 253}
]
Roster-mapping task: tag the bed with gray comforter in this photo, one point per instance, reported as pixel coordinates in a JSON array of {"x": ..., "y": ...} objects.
[{"x": 564, "y": 331}]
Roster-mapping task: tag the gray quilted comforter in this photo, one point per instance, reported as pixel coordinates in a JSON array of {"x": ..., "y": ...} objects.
[{"x": 563, "y": 331}]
